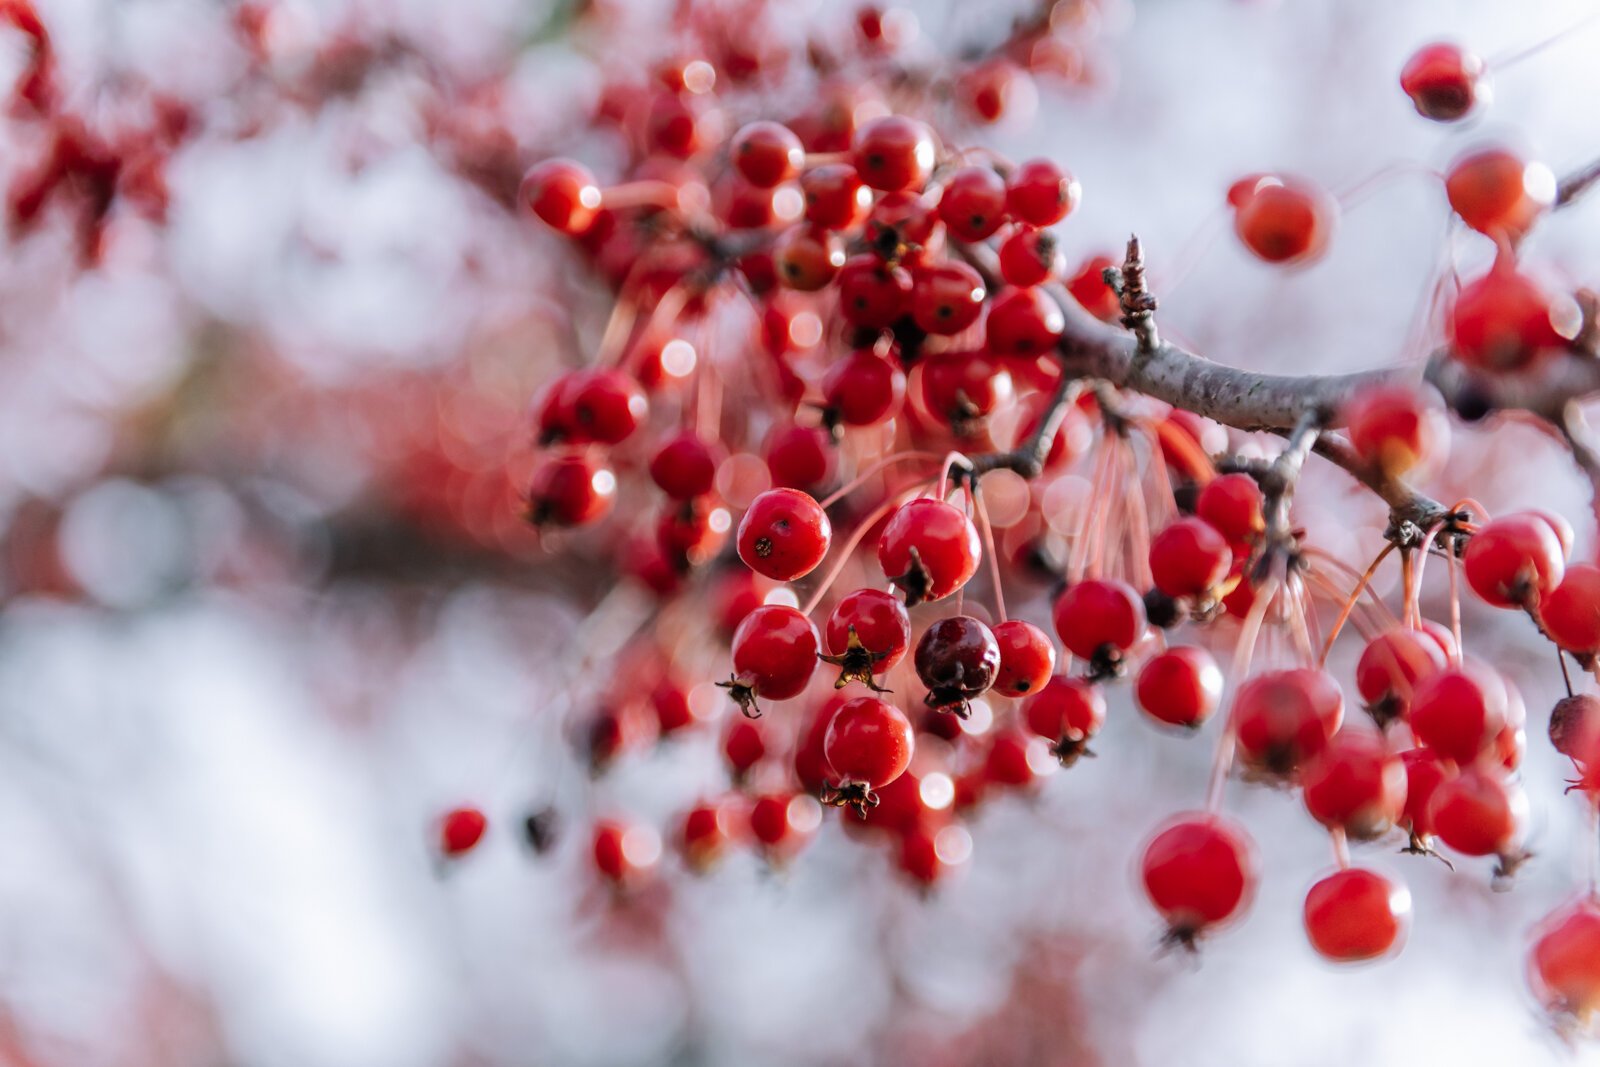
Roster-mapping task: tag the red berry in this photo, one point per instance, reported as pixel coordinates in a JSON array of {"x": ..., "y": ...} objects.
[
  {"x": 1355, "y": 784},
  {"x": 774, "y": 655},
  {"x": 1505, "y": 320},
  {"x": 1497, "y": 192},
  {"x": 460, "y": 831},
  {"x": 692, "y": 533},
  {"x": 1564, "y": 963},
  {"x": 893, "y": 153},
  {"x": 1443, "y": 81},
  {"x": 929, "y": 549},
  {"x": 1514, "y": 560},
  {"x": 705, "y": 835},
  {"x": 799, "y": 457},
  {"x": 835, "y": 197},
  {"x": 562, "y": 193},
  {"x": 1182, "y": 686},
  {"x": 1006, "y": 763},
  {"x": 1571, "y": 611},
  {"x": 808, "y": 258},
  {"x": 1479, "y": 813},
  {"x": 1357, "y": 914},
  {"x": 1027, "y": 658},
  {"x": 946, "y": 299},
  {"x": 784, "y": 534},
  {"x": 960, "y": 389},
  {"x": 1575, "y": 728},
  {"x": 1030, "y": 257},
  {"x": 1393, "y": 428},
  {"x": 1024, "y": 322},
  {"x": 864, "y": 389},
  {"x": 1199, "y": 872},
  {"x": 743, "y": 746},
  {"x": 1391, "y": 666},
  {"x": 991, "y": 89},
  {"x": 873, "y": 294},
  {"x": 570, "y": 491},
  {"x": 868, "y": 633},
  {"x": 1234, "y": 504},
  {"x": 1088, "y": 287},
  {"x": 958, "y": 659},
  {"x": 1458, "y": 711},
  {"x": 1099, "y": 619},
  {"x": 903, "y": 223},
  {"x": 973, "y": 204},
  {"x": 927, "y": 853},
  {"x": 1067, "y": 712},
  {"x": 1189, "y": 559},
  {"x": 767, "y": 154},
  {"x": 868, "y": 744},
  {"x": 1041, "y": 193},
  {"x": 1426, "y": 770},
  {"x": 686, "y": 466},
  {"x": 670, "y": 702},
  {"x": 783, "y": 823},
  {"x": 1281, "y": 719},
  {"x": 810, "y": 765},
  {"x": 624, "y": 854},
  {"x": 681, "y": 126},
  {"x": 1285, "y": 220}
]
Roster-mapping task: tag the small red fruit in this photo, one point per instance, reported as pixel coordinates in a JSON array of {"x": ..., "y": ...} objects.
[
  {"x": 1514, "y": 560},
  {"x": 1356, "y": 914},
  {"x": 562, "y": 193},
  {"x": 1067, "y": 712},
  {"x": 873, "y": 294},
  {"x": 1355, "y": 784},
  {"x": 460, "y": 831},
  {"x": 1199, "y": 872},
  {"x": 624, "y": 855},
  {"x": 1100, "y": 620},
  {"x": 784, "y": 534},
  {"x": 1497, "y": 192},
  {"x": 1024, "y": 322},
  {"x": 1480, "y": 813},
  {"x": 1285, "y": 220},
  {"x": 1027, "y": 658},
  {"x": 835, "y": 197},
  {"x": 1030, "y": 257},
  {"x": 1394, "y": 428},
  {"x": 1284, "y": 718},
  {"x": 1571, "y": 611},
  {"x": 869, "y": 744},
  {"x": 570, "y": 491},
  {"x": 1564, "y": 963},
  {"x": 868, "y": 633},
  {"x": 958, "y": 659},
  {"x": 893, "y": 153},
  {"x": 1040, "y": 193},
  {"x": 973, "y": 204},
  {"x": 686, "y": 466},
  {"x": 1444, "y": 81},
  {"x": 946, "y": 299},
  {"x": 1391, "y": 666},
  {"x": 1505, "y": 320},
  {"x": 929, "y": 549},
  {"x": 1189, "y": 559},
  {"x": 774, "y": 655},
  {"x": 767, "y": 154},
  {"x": 1458, "y": 711},
  {"x": 1182, "y": 686},
  {"x": 1088, "y": 287},
  {"x": 1234, "y": 504}
]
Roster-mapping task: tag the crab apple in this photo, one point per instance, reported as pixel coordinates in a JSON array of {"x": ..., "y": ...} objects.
[
  {"x": 873, "y": 294},
  {"x": 1006, "y": 763},
  {"x": 1444, "y": 81},
  {"x": 734, "y": 595},
  {"x": 1357, "y": 914},
  {"x": 928, "y": 853},
  {"x": 774, "y": 655},
  {"x": 957, "y": 659},
  {"x": 1067, "y": 712},
  {"x": 991, "y": 90},
  {"x": 767, "y": 154},
  {"x": 869, "y": 744},
  {"x": 460, "y": 830},
  {"x": 1564, "y": 963},
  {"x": 1283, "y": 219},
  {"x": 903, "y": 226},
  {"x": 1189, "y": 558},
  {"x": 808, "y": 258},
  {"x": 1199, "y": 872},
  {"x": 1458, "y": 711},
  {"x": 784, "y": 534},
  {"x": 835, "y": 198},
  {"x": 624, "y": 854},
  {"x": 863, "y": 389},
  {"x": 1091, "y": 290},
  {"x": 1181, "y": 686},
  {"x": 570, "y": 490},
  {"x": 705, "y": 835},
  {"x": 960, "y": 389},
  {"x": 1571, "y": 611},
  {"x": 691, "y": 533},
  {"x": 1390, "y": 667},
  {"x": 1562, "y": 528},
  {"x": 1514, "y": 560},
  {"x": 973, "y": 203},
  {"x": 810, "y": 764},
  {"x": 670, "y": 703},
  {"x": 867, "y": 634},
  {"x": 1479, "y": 812},
  {"x": 563, "y": 194},
  {"x": 782, "y": 823},
  {"x": 1023, "y": 322},
  {"x": 1497, "y": 192},
  {"x": 1425, "y": 770},
  {"x": 1505, "y": 320},
  {"x": 1030, "y": 257},
  {"x": 1394, "y": 428},
  {"x": 1040, "y": 193},
  {"x": 685, "y": 466},
  {"x": 946, "y": 298},
  {"x": 1235, "y": 506},
  {"x": 893, "y": 153},
  {"x": 1283, "y": 718},
  {"x": 799, "y": 457},
  {"x": 1355, "y": 784},
  {"x": 1575, "y": 727},
  {"x": 743, "y": 746},
  {"x": 1099, "y": 619},
  {"x": 1027, "y": 658},
  {"x": 928, "y": 549}
]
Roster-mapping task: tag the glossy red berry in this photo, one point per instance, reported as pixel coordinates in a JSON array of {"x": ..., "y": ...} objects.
[
  {"x": 1458, "y": 711},
  {"x": 1444, "y": 81},
  {"x": 1024, "y": 322},
  {"x": 928, "y": 853},
  {"x": 869, "y": 744},
  {"x": 929, "y": 549},
  {"x": 1283, "y": 718},
  {"x": 1285, "y": 220},
  {"x": 1189, "y": 559},
  {"x": 1181, "y": 686},
  {"x": 960, "y": 389},
  {"x": 1089, "y": 288},
  {"x": 1099, "y": 619},
  {"x": 774, "y": 656},
  {"x": 1030, "y": 257},
  {"x": 835, "y": 198},
  {"x": 863, "y": 389},
  {"x": 705, "y": 835},
  {"x": 873, "y": 294},
  {"x": 1564, "y": 963},
  {"x": 561, "y": 193},
  {"x": 867, "y": 633},
  {"x": 992, "y": 89},
  {"x": 570, "y": 490},
  {"x": 1390, "y": 667},
  {"x": 670, "y": 703},
  {"x": 1571, "y": 611},
  {"x": 1067, "y": 712},
  {"x": 624, "y": 855},
  {"x": 1426, "y": 770},
  {"x": 903, "y": 225},
  {"x": 1514, "y": 560},
  {"x": 1355, "y": 784},
  {"x": 973, "y": 204},
  {"x": 1007, "y": 763},
  {"x": 460, "y": 831},
  {"x": 946, "y": 298},
  {"x": 958, "y": 659},
  {"x": 1480, "y": 813},
  {"x": 1505, "y": 320},
  {"x": 1357, "y": 914},
  {"x": 799, "y": 457},
  {"x": 686, "y": 466},
  {"x": 893, "y": 153},
  {"x": 808, "y": 258},
  {"x": 1394, "y": 428},
  {"x": 1199, "y": 872},
  {"x": 1235, "y": 506},
  {"x": 691, "y": 533},
  {"x": 1041, "y": 193},
  {"x": 767, "y": 154},
  {"x": 783, "y": 822},
  {"x": 784, "y": 534},
  {"x": 1027, "y": 658},
  {"x": 1497, "y": 192}
]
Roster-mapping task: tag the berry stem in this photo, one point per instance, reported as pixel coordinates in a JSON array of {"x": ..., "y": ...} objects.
[
  {"x": 1509, "y": 59},
  {"x": 843, "y": 553},
  {"x": 1341, "y": 847},
  {"x": 1244, "y": 650},
  {"x": 867, "y": 475},
  {"x": 1455, "y": 604},
  {"x": 988, "y": 548},
  {"x": 1351, "y": 601}
]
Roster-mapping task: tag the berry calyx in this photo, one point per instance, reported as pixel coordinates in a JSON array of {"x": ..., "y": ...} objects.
[
  {"x": 957, "y": 659},
  {"x": 784, "y": 534},
  {"x": 869, "y": 744},
  {"x": 928, "y": 549},
  {"x": 867, "y": 634}
]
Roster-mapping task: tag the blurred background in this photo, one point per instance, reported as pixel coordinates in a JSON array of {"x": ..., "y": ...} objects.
[{"x": 267, "y": 606}]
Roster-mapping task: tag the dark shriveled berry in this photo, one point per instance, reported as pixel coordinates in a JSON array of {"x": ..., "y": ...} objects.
[{"x": 957, "y": 659}]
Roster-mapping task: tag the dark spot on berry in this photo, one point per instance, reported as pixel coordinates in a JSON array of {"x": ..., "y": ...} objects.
[{"x": 763, "y": 547}]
